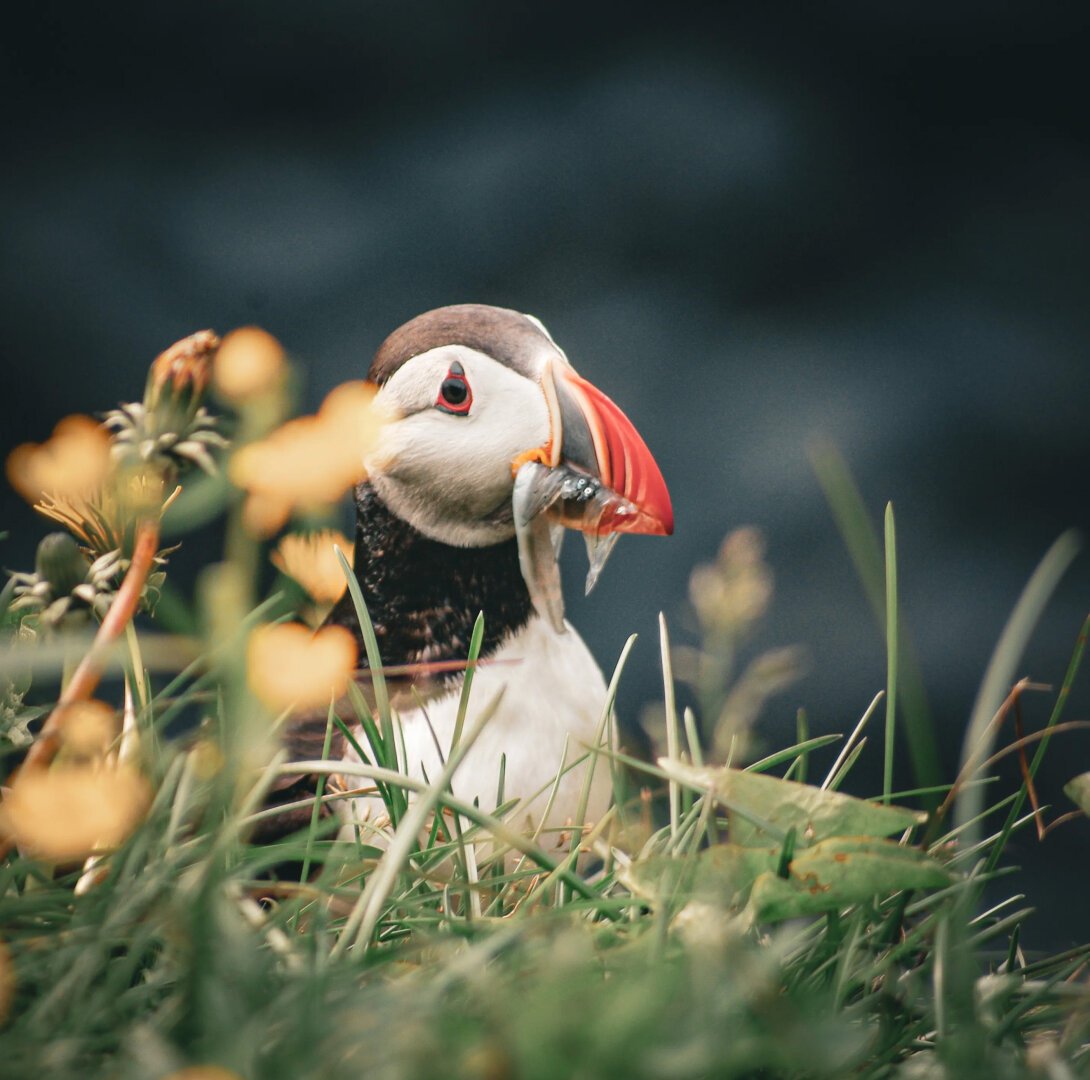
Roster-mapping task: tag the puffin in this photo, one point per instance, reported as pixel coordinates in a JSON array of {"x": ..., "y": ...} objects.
[{"x": 493, "y": 447}]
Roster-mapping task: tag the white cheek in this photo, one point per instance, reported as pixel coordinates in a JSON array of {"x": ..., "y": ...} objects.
[
  {"x": 472, "y": 454},
  {"x": 447, "y": 474}
]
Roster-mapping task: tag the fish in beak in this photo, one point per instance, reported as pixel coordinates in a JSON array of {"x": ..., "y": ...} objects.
[{"x": 595, "y": 475}]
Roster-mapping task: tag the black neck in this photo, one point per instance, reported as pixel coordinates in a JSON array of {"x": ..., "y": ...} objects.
[{"x": 423, "y": 596}]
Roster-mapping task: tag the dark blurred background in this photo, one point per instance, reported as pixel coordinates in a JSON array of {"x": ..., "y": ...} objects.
[{"x": 752, "y": 225}]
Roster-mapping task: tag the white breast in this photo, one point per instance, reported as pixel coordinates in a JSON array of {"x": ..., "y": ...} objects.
[{"x": 554, "y": 693}]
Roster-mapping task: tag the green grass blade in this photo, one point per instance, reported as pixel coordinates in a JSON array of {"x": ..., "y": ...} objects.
[
  {"x": 673, "y": 743},
  {"x": 360, "y": 926},
  {"x": 865, "y": 550},
  {"x": 849, "y": 746},
  {"x": 370, "y": 642},
  {"x": 892, "y": 651},
  {"x": 601, "y": 735},
  {"x": 799, "y": 750},
  {"x": 319, "y": 791},
  {"x": 467, "y": 683}
]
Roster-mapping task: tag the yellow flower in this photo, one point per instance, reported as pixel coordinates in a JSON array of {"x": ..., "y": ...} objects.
[
  {"x": 309, "y": 462},
  {"x": 104, "y": 518},
  {"x": 72, "y": 463},
  {"x": 309, "y": 558},
  {"x": 250, "y": 362},
  {"x": 290, "y": 667},
  {"x": 88, "y": 728},
  {"x": 73, "y": 810}
]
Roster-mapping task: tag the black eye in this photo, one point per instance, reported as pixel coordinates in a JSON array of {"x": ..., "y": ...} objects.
[{"x": 454, "y": 393}]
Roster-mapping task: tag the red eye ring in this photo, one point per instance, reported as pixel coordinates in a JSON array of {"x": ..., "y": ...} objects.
[{"x": 454, "y": 393}]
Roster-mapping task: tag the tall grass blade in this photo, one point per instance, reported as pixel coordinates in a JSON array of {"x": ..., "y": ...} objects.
[
  {"x": 892, "y": 652},
  {"x": 601, "y": 737},
  {"x": 361, "y": 923},
  {"x": 370, "y": 642},
  {"x": 865, "y": 550},
  {"x": 673, "y": 742},
  {"x": 467, "y": 683},
  {"x": 849, "y": 746}
]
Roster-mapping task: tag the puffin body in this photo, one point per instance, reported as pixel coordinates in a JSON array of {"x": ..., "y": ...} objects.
[{"x": 492, "y": 445}]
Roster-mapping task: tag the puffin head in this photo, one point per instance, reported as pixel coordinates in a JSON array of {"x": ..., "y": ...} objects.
[{"x": 490, "y": 433}]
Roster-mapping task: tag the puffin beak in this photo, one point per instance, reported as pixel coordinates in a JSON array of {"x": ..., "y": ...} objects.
[
  {"x": 590, "y": 433},
  {"x": 595, "y": 474}
]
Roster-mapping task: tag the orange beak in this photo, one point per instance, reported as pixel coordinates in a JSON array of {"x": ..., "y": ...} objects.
[{"x": 592, "y": 434}]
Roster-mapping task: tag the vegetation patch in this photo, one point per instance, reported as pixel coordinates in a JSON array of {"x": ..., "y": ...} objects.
[{"x": 728, "y": 917}]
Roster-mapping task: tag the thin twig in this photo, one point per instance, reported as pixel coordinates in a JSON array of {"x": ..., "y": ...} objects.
[
  {"x": 86, "y": 677},
  {"x": 972, "y": 763},
  {"x": 1023, "y": 765}
]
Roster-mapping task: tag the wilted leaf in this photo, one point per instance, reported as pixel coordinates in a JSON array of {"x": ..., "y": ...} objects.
[
  {"x": 1078, "y": 791},
  {"x": 786, "y": 804},
  {"x": 841, "y": 871}
]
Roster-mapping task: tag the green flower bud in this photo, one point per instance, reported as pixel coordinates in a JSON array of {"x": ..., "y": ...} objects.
[{"x": 61, "y": 563}]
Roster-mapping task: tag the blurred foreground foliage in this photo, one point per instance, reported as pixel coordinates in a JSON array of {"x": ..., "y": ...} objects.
[{"x": 728, "y": 917}]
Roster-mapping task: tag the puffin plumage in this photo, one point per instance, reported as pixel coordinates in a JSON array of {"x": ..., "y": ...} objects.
[{"x": 492, "y": 442}]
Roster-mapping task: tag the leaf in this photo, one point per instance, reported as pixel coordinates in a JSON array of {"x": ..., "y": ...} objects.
[
  {"x": 841, "y": 871},
  {"x": 722, "y": 874},
  {"x": 1078, "y": 791},
  {"x": 758, "y": 801}
]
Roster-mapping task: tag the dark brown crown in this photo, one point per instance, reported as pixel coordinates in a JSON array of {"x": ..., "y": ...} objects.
[{"x": 505, "y": 335}]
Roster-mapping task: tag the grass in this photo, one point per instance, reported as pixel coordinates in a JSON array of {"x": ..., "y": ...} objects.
[
  {"x": 654, "y": 964},
  {"x": 721, "y": 921}
]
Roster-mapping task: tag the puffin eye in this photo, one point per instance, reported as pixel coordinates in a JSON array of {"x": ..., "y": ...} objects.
[{"x": 454, "y": 393}]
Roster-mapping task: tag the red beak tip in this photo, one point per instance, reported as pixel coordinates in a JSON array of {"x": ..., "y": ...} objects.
[{"x": 625, "y": 464}]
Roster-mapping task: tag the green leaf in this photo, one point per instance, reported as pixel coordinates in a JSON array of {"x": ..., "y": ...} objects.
[
  {"x": 722, "y": 875},
  {"x": 841, "y": 871},
  {"x": 759, "y": 801}
]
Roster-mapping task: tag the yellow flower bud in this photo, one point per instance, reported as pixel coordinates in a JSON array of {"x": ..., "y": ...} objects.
[
  {"x": 181, "y": 373},
  {"x": 250, "y": 363}
]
